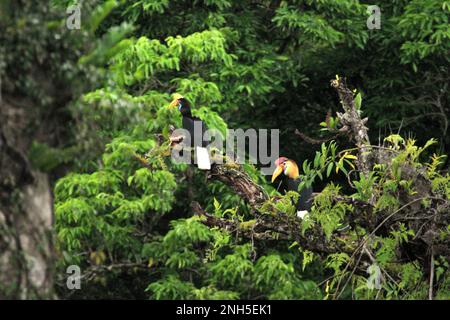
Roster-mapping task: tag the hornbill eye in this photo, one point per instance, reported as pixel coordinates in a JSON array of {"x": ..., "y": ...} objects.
[{"x": 281, "y": 164}]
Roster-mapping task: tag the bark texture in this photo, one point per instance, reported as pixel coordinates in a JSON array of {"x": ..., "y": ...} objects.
[{"x": 26, "y": 215}]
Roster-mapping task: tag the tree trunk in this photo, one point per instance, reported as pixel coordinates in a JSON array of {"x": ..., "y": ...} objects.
[{"x": 26, "y": 217}]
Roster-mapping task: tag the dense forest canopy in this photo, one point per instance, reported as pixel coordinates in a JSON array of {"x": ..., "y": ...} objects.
[{"x": 87, "y": 180}]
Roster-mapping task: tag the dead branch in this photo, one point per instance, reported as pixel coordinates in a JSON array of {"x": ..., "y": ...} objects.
[
  {"x": 253, "y": 230},
  {"x": 356, "y": 126},
  {"x": 233, "y": 176},
  {"x": 314, "y": 140}
]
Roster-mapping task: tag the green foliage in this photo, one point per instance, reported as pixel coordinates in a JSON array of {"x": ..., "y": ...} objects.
[
  {"x": 327, "y": 212},
  {"x": 425, "y": 36},
  {"x": 365, "y": 186},
  {"x": 46, "y": 158},
  {"x": 241, "y": 65},
  {"x": 171, "y": 288},
  {"x": 234, "y": 268}
]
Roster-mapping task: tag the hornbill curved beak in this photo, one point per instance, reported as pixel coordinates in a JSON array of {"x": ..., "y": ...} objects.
[
  {"x": 278, "y": 170},
  {"x": 175, "y": 101}
]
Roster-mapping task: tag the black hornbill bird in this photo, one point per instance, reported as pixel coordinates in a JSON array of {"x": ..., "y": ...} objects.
[
  {"x": 196, "y": 128},
  {"x": 291, "y": 181}
]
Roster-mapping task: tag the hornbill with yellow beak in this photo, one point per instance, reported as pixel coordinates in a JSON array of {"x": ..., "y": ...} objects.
[
  {"x": 190, "y": 123},
  {"x": 290, "y": 182}
]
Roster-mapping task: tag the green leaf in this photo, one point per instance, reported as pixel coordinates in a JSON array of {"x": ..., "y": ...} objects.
[
  {"x": 358, "y": 100},
  {"x": 330, "y": 167}
]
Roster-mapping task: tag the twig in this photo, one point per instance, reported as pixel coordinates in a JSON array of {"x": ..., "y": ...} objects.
[
  {"x": 430, "y": 290},
  {"x": 350, "y": 276},
  {"x": 314, "y": 140}
]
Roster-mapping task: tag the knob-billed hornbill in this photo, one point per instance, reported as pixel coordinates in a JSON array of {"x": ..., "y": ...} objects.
[
  {"x": 291, "y": 182},
  {"x": 196, "y": 129}
]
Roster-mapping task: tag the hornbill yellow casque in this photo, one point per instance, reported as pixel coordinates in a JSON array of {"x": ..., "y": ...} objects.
[
  {"x": 196, "y": 129},
  {"x": 290, "y": 182}
]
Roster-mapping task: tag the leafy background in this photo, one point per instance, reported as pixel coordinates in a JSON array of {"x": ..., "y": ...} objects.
[{"x": 242, "y": 64}]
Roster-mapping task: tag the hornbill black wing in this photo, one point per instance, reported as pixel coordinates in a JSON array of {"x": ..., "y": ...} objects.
[
  {"x": 305, "y": 196},
  {"x": 189, "y": 124}
]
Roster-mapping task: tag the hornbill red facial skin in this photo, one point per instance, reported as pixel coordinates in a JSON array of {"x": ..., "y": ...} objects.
[{"x": 291, "y": 180}]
